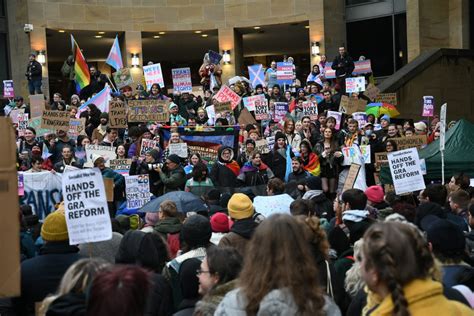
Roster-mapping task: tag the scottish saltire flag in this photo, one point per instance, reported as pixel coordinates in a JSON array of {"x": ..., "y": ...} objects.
[
  {"x": 257, "y": 75},
  {"x": 115, "y": 56},
  {"x": 81, "y": 69},
  {"x": 101, "y": 100}
]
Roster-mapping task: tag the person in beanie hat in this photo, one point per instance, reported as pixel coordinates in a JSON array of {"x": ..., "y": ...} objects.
[
  {"x": 220, "y": 225},
  {"x": 244, "y": 156},
  {"x": 314, "y": 192},
  {"x": 175, "y": 118},
  {"x": 172, "y": 175},
  {"x": 375, "y": 197},
  {"x": 41, "y": 275},
  {"x": 241, "y": 210}
]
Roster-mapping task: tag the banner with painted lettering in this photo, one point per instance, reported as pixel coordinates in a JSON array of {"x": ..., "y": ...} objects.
[
  {"x": 153, "y": 74},
  {"x": 285, "y": 73},
  {"x": 249, "y": 102},
  {"x": 182, "y": 80},
  {"x": 57, "y": 120},
  {"x": 85, "y": 206},
  {"x": 227, "y": 94},
  {"x": 310, "y": 109},
  {"x": 21, "y": 184},
  {"x": 281, "y": 109},
  {"x": 180, "y": 149},
  {"x": 428, "y": 106},
  {"x": 261, "y": 110},
  {"x": 351, "y": 154},
  {"x": 148, "y": 111},
  {"x": 36, "y": 124},
  {"x": 117, "y": 114},
  {"x": 8, "y": 90},
  {"x": 206, "y": 143},
  {"x": 406, "y": 171},
  {"x": 355, "y": 84},
  {"x": 418, "y": 141},
  {"x": 123, "y": 78},
  {"x": 106, "y": 152},
  {"x": 137, "y": 191},
  {"x": 360, "y": 67},
  {"x": 147, "y": 145},
  {"x": 337, "y": 116},
  {"x": 121, "y": 166},
  {"x": 42, "y": 190}
]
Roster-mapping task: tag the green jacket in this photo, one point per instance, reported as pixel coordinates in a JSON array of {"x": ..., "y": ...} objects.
[{"x": 173, "y": 180}]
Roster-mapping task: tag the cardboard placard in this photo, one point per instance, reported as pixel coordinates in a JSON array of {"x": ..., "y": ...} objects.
[
  {"x": 36, "y": 105},
  {"x": 123, "y": 77},
  {"x": 117, "y": 114},
  {"x": 36, "y": 124},
  {"x": 9, "y": 223},
  {"x": 371, "y": 91},
  {"x": 137, "y": 191},
  {"x": 380, "y": 160},
  {"x": 344, "y": 104},
  {"x": 227, "y": 94},
  {"x": 356, "y": 105},
  {"x": 310, "y": 109},
  {"x": 246, "y": 118},
  {"x": 85, "y": 207},
  {"x": 351, "y": 177},
  {"x": 147, "y": 145},
  {"x": 261, "y": 146},
  {"x": 223, "y": 107},
  {"x": 406, "y": 172},
  {"x": 180, "y": 149},
  {"x": 76, "y": 127},
  {"x": 261, "y": 110},
  {"x": 109, "y": 189},
  {"x": 57, "y": 120},
  {"x": 15, "y": 113},
  {"x": 390, "y": 98},
  {"x": 417, "y": 141},
  {"x": 148, "y": 111}
]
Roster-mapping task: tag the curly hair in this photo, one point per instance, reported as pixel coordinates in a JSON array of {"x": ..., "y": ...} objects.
[
  {"x": 314, "y": 234},
  {"x": 386, "y": 242}
]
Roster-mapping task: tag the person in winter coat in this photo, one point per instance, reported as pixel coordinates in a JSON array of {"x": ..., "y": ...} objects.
[
  {"x": 189, "y": 286},
  {"x": 279, "y": 159},
  {"x": 225, "y": 170},
  {"x": 172, "y": 175},
  {"x": 217, "y": 276},
  {"x": 33, "y": 74},
  {"x": 147, "y": 166},
  {"x": 402, "y": 287},
  {"x": 42, "y": 274},
  {"x": 344, "y": 66},
  {"x": 169, "y": 226},
  {"x": 99, "y": 133},
  {"x": 119, "y": 180},
  {"x": 269, "y": 284},
  {"x": 67, "y": 160},
  {"x": 255, "y": 172},
  {"x": 242, "y": 211},
  {"x": 314, "y": 192}
]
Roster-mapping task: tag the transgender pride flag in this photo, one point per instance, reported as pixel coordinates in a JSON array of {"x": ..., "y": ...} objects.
[
  {"x": 115, "y": 56},
  {"x": 101, "y": 100}
]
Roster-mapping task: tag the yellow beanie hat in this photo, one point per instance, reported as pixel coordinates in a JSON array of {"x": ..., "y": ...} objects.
[
  {"x": 54, "y": 227},
  {"x": 240, "y": 206}
]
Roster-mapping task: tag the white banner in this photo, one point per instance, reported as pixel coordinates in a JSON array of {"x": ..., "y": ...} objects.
[
  {"x": 406, "y": 171},
  {"x": 85, "y": 206},
  {"x": 137, "y": 190}
]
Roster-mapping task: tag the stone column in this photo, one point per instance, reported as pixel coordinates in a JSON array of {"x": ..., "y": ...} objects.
[
  {"x": 459, "y": 24},
  {"x": 230, "y": 39},
  {"x": 133, "y": 45}
]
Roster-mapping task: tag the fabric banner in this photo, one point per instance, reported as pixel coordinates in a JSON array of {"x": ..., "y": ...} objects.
[
  {"x": 182, "y": 80},
  {"x": 153, "y": 74},
  {"x": 257, "y": 75},
  {"x": 137, "y": 190},
  {"x": 360, "y": 67},
  {"x": 8, "y": 91},
  {"x": 42, "y": 190}
]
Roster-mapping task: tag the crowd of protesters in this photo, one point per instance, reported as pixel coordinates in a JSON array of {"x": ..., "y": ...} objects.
[{"x": 357, "y": 252}]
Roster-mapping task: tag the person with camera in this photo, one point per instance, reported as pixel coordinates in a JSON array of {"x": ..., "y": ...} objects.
[
  {"x": 34, "y": 72},
  {"x": 172, "y": 175}
]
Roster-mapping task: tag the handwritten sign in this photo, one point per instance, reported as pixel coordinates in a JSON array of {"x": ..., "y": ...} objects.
[
  {"x": 310, "y": 109},
  {"x": 261, "y": 146},
  {"x": 147, "y": 146},
  {"x": 351, "y": 177},
  {"x": 153, "y": 74},
  {"x": 344, "y": 104},
  {"x": 117, "y": 114},
  {"x": 121, "y": 166},
  {"x": 57, "y": 120},
  {"x": 182, "y": 80},
  {"x": 222, "y": 107},
  {"x": 227, "y": 94},
  {"x": 356, "y": 105},
  {"x": 352, "y": 154},
  {"x": 261, "y": 110},
  {"x": 76, "y": 127},
  {"x": 249, "y": 102},
  {"x": 106, "y": 152},
  {"x": 137, "y": 190},
  {"x": 180, "y": 149},
  {"x": 417, "y": 141},
  {"x": 372, "y": 91},
  {"x": 148, "y": 111},
  {"x": 123, "y": 77},
  {"x": 390, "y": 98},
  {"x": 380, "y": 160},
  {"x": 355, "y": 84}
]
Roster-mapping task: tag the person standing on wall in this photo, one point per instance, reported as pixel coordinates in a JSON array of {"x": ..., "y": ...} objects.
[
  {"x": 344, "y": 66},
  {"x": 34, "y": 73}
]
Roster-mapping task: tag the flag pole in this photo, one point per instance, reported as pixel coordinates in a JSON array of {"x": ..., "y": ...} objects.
[{"x": 113, "y": 86}]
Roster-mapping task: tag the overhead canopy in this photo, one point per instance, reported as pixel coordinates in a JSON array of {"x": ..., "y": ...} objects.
[{"x": 458, "y": 154}]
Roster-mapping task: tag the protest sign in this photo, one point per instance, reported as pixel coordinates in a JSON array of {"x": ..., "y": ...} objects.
[
  {"x": 418, "y": 141},
  {"x": 148, "y": 111},
  {"x": 36, "y": 105},
  {"x": 106, "y": 152},
  {"x": 122, "y": 78},
  {"x": 22, "y": 123},
  {"x": 227, "y": 94},
  {"x": 271, "y": 142},
  {"x": 360, "y": 117},
  {"x": 117, "y": 114},
  {"x": 372, "y": 91},
  {"x": 153, "y": 74},
  {"x": 36, "y": 124},
  {"x": 211, "y": 114},
  {"x": 390, "y": 98},
  {"x": 121, "y": 166},
  {"x": 180, "y": 149},
  {"x": 182, "y": 80},
  {"x": 356, "y": 105},
  {"x": 351, "y": 176},
  {"x": 246, "y": 118},
  {"x": 257, "y": 75},
  {"x": 337, "y": 116},
  {"x": 57, "y": 120},
  {"x": 380, "y": 160},
  {"x": 281, "y": 109},
  {"x": 261, "y": 110},
  {"x": 406, "y": 171},
  {"x": 442, "y": 127},
  {"x": 268, "y": 205},
  {"x": 428, "y": 106},
  {"x": 109, "y": 189},
  {"x": 285, "y": 73},
  {"x": 147, "y": 145},
  {"x": 310, "y": 109},
  {"x": 8, "y": 91},
  {"x": 344, "y": 104},
  {"x": 352, "y": 154},
  {"x": 355, "y": 84},
  {"x": 85, "y": 207},
  {"x": 214, "y": 57},
  {"x": 261, "y": 146},
  {"x": 249, "y": 102},
  {"x": 42, "y": 191},
  {"x": 15, "y": 113},
  {"x": 21, "y": 185},
  {"x": 137, "y": 191},
  {"x": 222, "y": 107},
  {"x": 76, "y": 127}
]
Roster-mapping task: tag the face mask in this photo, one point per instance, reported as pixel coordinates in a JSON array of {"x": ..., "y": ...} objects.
[{"x": 368, "y": 132}]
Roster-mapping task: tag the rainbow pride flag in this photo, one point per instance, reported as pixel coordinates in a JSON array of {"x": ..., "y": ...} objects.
[
  {"x": 115, "y": 56},
  {"x": 81, "y": 69},
  {"x": 312, "y": 165}
]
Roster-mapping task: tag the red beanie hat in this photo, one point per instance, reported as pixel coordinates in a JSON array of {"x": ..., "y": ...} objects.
[
  {"x": 220, "y": 223},
  {"x": 374, "y": 194}
]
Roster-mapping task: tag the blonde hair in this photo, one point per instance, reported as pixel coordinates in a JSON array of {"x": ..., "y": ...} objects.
[
  {"x": 169, "y": 209},
  {"x": 353, "y": 281}
]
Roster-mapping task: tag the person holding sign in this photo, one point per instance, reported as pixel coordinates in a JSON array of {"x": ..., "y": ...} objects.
[
  {"x": 118, "y": 179},
  {"x": 344, "y": 66},
  {"x": 148, "y": 166},
  {"x": 210, "y": 73}
]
